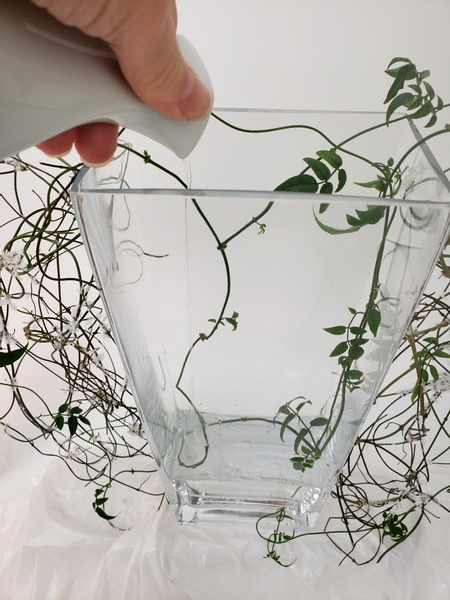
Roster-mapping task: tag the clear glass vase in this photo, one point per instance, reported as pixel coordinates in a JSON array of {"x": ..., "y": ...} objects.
[{"x": 256, "y": 327}]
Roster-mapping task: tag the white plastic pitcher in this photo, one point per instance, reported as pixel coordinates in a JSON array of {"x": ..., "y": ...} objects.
[{"x": 54, "y": 77}]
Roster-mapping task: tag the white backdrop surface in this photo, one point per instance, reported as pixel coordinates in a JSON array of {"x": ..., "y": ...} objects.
[{"x": 299, "y": 54}]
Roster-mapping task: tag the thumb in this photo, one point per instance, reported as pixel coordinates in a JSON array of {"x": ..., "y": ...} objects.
[
  {"x": 142, "y": 34},
  {"x": 159, "y": 75}
]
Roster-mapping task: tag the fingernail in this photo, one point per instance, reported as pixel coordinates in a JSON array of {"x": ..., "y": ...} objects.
[
  {"x": 195, "y": 102},
  {"x": 95, "y": 165},
  {"x": 61, "y": 155}
]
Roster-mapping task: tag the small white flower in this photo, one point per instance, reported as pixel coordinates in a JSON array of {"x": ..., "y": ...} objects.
[
  {"x": 14, "y": 262},
  {"x": 124, "y": 386},
  {"x": 8, "y": 338},
  {"x": 6, "y": 300},
  {"x": 438, "y": 387},
  {"x": 135, "y": 428},
  {"x": 73, "y": 325},
  {"x": 419, "y": 498},
  {"x": 73, "y": 454},
  {"x": 13, "y": 162},
  {"x": 96, "y": 357}
]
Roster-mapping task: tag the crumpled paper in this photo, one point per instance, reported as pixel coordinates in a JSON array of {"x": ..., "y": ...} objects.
[{"x": 54, "y": 547}]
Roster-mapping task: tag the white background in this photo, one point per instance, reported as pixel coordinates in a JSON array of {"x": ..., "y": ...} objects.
[{"x": 314, "y": 54}]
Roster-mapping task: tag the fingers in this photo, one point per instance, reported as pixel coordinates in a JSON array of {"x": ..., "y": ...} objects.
[
  {"x": 95, "y": 142},
  {"x": 60, "y": 145}
]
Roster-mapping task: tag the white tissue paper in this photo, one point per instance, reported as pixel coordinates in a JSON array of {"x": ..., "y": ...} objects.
[{"x": 54, "y": 547}]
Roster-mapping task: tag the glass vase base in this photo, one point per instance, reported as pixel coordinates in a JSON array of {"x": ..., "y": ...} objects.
[
  {"x": 244, "y": 473},
  {"x": 216, "y": 510}
]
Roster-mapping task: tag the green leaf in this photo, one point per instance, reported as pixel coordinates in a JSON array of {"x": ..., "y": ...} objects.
[
  {"x": 416, "y": 88},
  {"x": 355, "y": 374},
  {"x": 59, "y": 421},
  {"x": 434, "y": 372},
  {"x": 357, "y": 330},
  {"x": 8, "y": 358},
  {"x": 401, "y": 100},
  {"x": 351, "y": 310},
  {"x": 338, "y": 330},
  {"x": 84, "y": 420},
  {"x": 344, "y": 361},
  {"x": 322, "y": 208},
  {"x": 302, "y": 404},
  {"x": 284, "y": 410},
  {"x": 398, "y": 59},
  {"x": 376, "y": 184},
  {"x": 101, "y": 513},
  {"x": 333, "y": 230},
  {"x": 63, "y": 407},
  {"x": 342, "y": 180},
  {"x": 298, "y": 465},
  {"x": 355, "y": 352},
  {"x": 319, "y": 168},
  {"x": 319, "y": 422},
  {"x": 405, "y": 73},
  {"x": 341, "y": 348},
  {"x": 299, "y": 438},
  {"x": 430, "y": 90},
  {"x": 441, "y": 354},
  {"x": 432, "y": 121},
  {"x": 332, "y": 158},
  {"x": 372, "y": 215},
  {"x": 72, "y": 422},
  {"x": 423, "y": 75},
  {"x": 297, "y": 459},
  {"x": 100, "y": 501},
  {"x": 327, "y": 188},
  {"x": 374, "y": 319},
  {"x": 286, "y": 422},
  {"x": 300, "y": 183},
  {"x": 392, "y": 72},
  {"x": 353, "y": 221},
  {"x": 423, "y": 111},
  {"x": 415, "y": 103},
  {"x": 76, "y": 410},
  {"x": 359, "y": 341},
  {"x": 232, "y": 321}
]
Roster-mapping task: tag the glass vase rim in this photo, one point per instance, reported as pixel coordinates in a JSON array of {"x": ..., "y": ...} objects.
[
  {"x": 253, "y": 194},
  {"x": 272, "y": 195}
]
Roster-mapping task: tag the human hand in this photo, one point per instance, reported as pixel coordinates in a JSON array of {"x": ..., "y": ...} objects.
[{"x": 142, "y": 35}]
